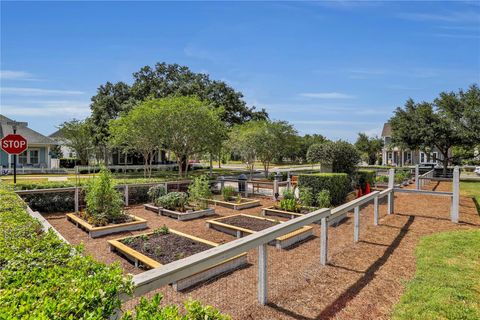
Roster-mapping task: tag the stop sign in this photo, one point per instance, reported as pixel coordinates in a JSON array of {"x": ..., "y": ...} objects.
[{"x": 14, "y": 144}]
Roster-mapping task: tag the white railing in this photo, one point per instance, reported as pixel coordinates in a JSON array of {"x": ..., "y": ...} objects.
[
  {"x": 156, "y": 278},
  {"x": 424, "y": 179}
]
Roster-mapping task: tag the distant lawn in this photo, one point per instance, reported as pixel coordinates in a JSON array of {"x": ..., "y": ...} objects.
[
  {"x": 447, "y": 281},
  {"x": 471, "y": 189}
]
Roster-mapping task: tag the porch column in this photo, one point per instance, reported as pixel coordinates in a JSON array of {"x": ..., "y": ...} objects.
[{"x": 49, "y": 164}]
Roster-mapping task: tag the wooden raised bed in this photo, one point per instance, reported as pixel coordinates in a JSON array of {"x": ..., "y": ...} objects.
[
  {"x": 245, "y": 203},
  {"x": 273, "y": 211},
  {"x": 138, "y": 258},
  {"x": 95, "y": 232},
  {"x": 225, "y": 225},
  {"x": 182, "y": 216}
]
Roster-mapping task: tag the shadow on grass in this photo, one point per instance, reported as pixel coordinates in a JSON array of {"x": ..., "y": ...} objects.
[{"x": 351, "y": 292}]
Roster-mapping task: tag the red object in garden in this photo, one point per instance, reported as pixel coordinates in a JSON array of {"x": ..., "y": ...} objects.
[
  {"x": 359, "y": 192},
  {"x": 367, "y": 188},
  {"x": 14, "y": 144}
]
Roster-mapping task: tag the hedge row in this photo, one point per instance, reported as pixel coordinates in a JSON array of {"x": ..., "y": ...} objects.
[
  {"x": 338, "y": 184},
  {"x": 42, "y": 277}
]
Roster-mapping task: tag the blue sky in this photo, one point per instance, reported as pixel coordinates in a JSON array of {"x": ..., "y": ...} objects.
[{"x": 335, "y": 68}]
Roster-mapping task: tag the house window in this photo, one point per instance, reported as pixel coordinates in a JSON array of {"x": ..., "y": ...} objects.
[
  {"x": 435, "y": 155},
  {"x": 125, "y": 158},
  {"x": 34, "y": 156},
  {"x": 23, "y": 158},
  {"x": 422, "y": 157}
]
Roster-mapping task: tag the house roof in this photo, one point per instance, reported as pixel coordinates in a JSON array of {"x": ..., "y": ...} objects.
[
  {"x": 32, "y": 136},
  {"x": 387, "y": 130},
  {"x": 56, "y": 135}
]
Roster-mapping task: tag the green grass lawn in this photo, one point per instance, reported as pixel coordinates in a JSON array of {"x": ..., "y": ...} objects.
[
  {"x": 471, "y": 189},
  {"x": 447, "y": 281}
]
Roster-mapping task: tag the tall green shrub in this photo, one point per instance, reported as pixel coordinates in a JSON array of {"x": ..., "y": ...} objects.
[
  {"x": 338, "y": 184},
  {"x": 104, "y": 202},
  {"x": 199, "y": 191},
  {"x": 364, "y": 176}
]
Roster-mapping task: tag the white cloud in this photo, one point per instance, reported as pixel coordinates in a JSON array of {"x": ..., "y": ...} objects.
[
  {"x": 16, "y": 75},
  {"x": 37, "y": 92},
  {"x": 326, "y": 95},
  {"x": 53, "y": 108},
  {"x": 466, "y": 16}
]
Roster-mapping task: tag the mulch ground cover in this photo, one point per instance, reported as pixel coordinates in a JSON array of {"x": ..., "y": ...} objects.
[
  {"x": 248, "y": 223},
  {"x": 165, "y": 248},
  {"x": 362, "y": 280}
]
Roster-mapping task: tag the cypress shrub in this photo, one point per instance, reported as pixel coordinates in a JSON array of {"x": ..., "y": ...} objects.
[{"x": 338, "y": 184}]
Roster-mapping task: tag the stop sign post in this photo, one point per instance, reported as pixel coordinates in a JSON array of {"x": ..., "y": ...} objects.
[{"x": 14, "y": 144}]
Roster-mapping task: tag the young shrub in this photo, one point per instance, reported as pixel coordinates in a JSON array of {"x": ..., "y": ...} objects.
[
  {"x": 173, "y": 201},
  {"x": 365, "y": 176},
  {"x": 228, "y": 192},
  {"x": 156, "y": 192},
  {"x": 323, "y": 199},
  {"x": 290, "y": 205},
  {"x": 338, "y": 184},
  {"x": 288, "y": 194},
  {"x": 199, "y": 191},
  {"x": 306, "y": 197},
  {"x": 104, "y": 203}
]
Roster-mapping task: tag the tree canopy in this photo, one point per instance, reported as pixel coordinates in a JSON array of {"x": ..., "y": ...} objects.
[
  {"x": 451, "y": 120},
  {"x": 76, "y": 136},
  {"x": 342, "y": 156},
  {"x": 369, "y": 147}
]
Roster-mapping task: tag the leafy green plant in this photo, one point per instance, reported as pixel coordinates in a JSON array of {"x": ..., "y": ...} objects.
[
  {"x": 306, "y": 197},
  {"x": 323, "y": 199},
  {"x": 238, "y": 199},
  {"x": 199, "y": 191},
  {"x": 194, "y": 310},
  {"x": 156, "y": 192},
  {"x": 173, "y": 201},
  {"x": 288, "y": 194},
  {"x": 228, "y": 192},
  {"x": 104, "y": 202},
  {"x": 161, "y": 231},
  {"x": 290, "y": 205}
]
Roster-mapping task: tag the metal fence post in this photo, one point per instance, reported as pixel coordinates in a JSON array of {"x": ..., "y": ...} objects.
[
  {"x": 275, "y": 189},
  {"x": 324, "y": 241},
  {"x": 262, "y": 274},
  {"x": 456, "y": 195},
  {"x": 417, "y": 174},
  {"x": 76, "y": 200},
  {"x": 125, "y": 193},
  {"x": 391, "y": 184},
  {"x": 375, "y": 210},
  {"x": 356, "y": 223}
]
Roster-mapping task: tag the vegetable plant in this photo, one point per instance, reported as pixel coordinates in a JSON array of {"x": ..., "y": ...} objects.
[
  {"x": 156, "y": 192},
  {"x": 199, "y": 191},
  {"x": 323, "y": 199},
  {"x": 173, "y": 201},
  {"x": 228, "y": 192},
  {"x": 306, "y": 197}
]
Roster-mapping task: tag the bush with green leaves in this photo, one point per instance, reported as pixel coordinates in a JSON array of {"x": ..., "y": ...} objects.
[
  {"x": 338, "y": 184},
  {"x": 323, "y": 199},
  {"x": 104, "y": 202},
  {"x": 290, "y": 205},
  {"x": 173, "y": 201},
  {"x": 228, "y": 192},
  {"x": 199, "y": 191},
  {"x": 288, "y": 194},
  {"x": 156, "y": 192},
  {"x": 194, "y": 310},
  {"x": 306, "y": 197},
  {"x": 43, "y": 277},
  {"x": 51, "y": 202}
]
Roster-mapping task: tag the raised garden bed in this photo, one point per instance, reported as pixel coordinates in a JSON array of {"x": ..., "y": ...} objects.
[
  {"x": 276, "y": 211},
  {"x": 95, "y": 232},
  {"x": 240, "y": 225},
  {"x": 156, "y": 249},
  {"x": 233, "y": 203},
  {"x": 182, "y": 216}
]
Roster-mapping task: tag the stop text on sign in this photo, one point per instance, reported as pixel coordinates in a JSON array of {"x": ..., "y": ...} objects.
[{"x": 14, "y": 144}]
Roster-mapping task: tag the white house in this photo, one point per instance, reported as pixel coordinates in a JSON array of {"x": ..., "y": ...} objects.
[
  {"x": 395, "y": 156},
  {"x": 37, "y": 155}
]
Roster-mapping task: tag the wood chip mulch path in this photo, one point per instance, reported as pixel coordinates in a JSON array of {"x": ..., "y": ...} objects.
[{"x": 363, "y": 280}]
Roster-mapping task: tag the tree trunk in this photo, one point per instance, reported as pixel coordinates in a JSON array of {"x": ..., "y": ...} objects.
[
  {"x": 219, "y": 158},
  {"x": 211, "y": 164},
  {"x": 265, "y": 168}
]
